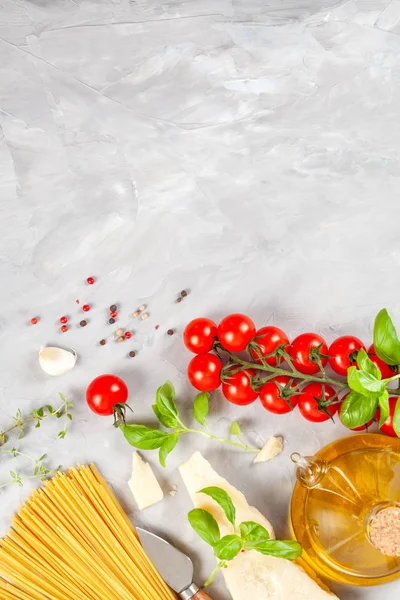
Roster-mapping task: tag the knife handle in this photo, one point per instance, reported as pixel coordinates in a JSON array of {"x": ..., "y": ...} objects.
[
  {"x": 194, "y": 593},
  {"x": 201, "y": 595}
]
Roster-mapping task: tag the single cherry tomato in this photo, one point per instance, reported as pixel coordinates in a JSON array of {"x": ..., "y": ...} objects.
[
  {"x": 237, "y": 387},
  {"x": 274, "y": 399},
  {"x": 199, "y": 335},
  {"x": 204, "y": 371},
  {"x": 268, "y": 339},
  {"x": 309, "y": 407},
  {"x": 387, "y": 428},
  {"x": 104, "y": 393},
  {"x": 364, "y": 427},
  {"x": 303, "y": 352},
  {"x": 382, "y": 366},
  {"x": 235, "y": 332},
  {"x": 340, "y": 352}
]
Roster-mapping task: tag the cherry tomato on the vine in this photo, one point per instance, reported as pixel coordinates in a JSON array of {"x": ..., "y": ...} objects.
[
  {"x": 272, "y": 397},
  {"x": 199, "y": 335},
  {"x": 204, "y": 372},
  {"x": 267, "y": 340},
  {"x": 382, "y": 366},
  {"x": 104, "y": 393},
  {"x": 340, "y": 353},
  {"x": 235, "y": 332},
  {"x": 237, "y": 387},
  {"x": 387, "y": 428},
  {"x": 302, "y": 350},
  {"x": 308, "y": 404}
]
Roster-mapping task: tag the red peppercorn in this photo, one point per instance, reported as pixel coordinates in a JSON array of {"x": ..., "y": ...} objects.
[
  {"x": 34, "y": 320},
  {"x": 86, "y": 307},
  {"x": 64, "y": 328},
  {"x": 157, "y": 327},
  {"x": 77, "y": 301},
  {"x": 64, "y": 320},
  {"x": 113, "y": 314},
  {"x": 128, "y": 335},
  {"x": 90, "y": 280}
]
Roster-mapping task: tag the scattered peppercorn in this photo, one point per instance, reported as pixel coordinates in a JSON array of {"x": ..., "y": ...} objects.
[
  {"x": 142, "y": 307},
  {"x": 113, "y": 314},
  {"x": 127, "y": 335},
  {"x": 83, "y": 323},
  {"x": 113, "y": 307},
  {"x": 86, "y": 307},
  {"x": 64, "y": 320},
  {"x": 184, "y": 293},
  {"x": 77, "y": 301},
  {"x": 103, "y": 342},
  {"x": 170, "y": 332},
  {"x": 111, "y": 321},
  {"x": 34, "y": 320},
  {"x": 179, "y": 299},
  {"x": 64, "y": 328},
  {"x": 119, "y": 331},
  {"x": 144, "y": 316},
  {"x": 132, "y": 354},
  {"x": 121, "y": 338},
  {"x": 136, "y": 314},
  {"x": 157, "y": 327},
  {"x": 90, "y": 280}
]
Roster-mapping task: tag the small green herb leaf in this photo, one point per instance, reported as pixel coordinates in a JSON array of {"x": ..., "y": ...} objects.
[
  {"x": 228, "y": 547},
  {"x": 235, "y": 428},
  {"x": 281, "y": 548},
  {"x": 396, "y": 418},
  {"x": 165, "y": 420},
  {"x": 143, "y": 437},
  {"x": 165, "y": 400},
  {"x": 200, "y": 407},
  {"x": 253, "y": 532},
  {"x": 386, "y": 341},
  {"x": 365, "y": 364},
  {"x": 167, "y": 446},
  {"x": 364, "y": 383},
  {"x": 222, "y": 498},
  {"x": 357, "y": 410},
  {"x": 383, "y": 407},
  {"x": 204, "y": 525}
]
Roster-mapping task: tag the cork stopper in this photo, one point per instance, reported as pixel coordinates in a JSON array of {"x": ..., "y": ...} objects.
[{"x": 384, "y": 531}]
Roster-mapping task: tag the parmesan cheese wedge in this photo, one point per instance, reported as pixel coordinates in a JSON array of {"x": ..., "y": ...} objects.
[
  {"x": 143, "y": 484},
  {"x": 250, "y": 575},
  {"x": 272, "y": 448}
]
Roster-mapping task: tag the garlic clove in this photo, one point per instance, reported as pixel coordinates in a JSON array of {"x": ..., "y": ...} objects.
[
  {"x": 56, "y": 361},
  {"x": 272, "y": 448}
]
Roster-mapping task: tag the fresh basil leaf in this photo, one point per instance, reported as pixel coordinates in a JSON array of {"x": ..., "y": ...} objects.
[
  {"x": 165, "y": 400},
  {"x": 383, "y": 407},
  {"x": 253, "y": 532},
  {"x": 204, "y": 525},
  {"x": 235, "y": 428},
  {"x": 365, "y": 364},
  {"x": 165, "y": 420},
  {"x": 200, "y": 407},
  {"x": 222, "y": 498},
  {"x": 228, "y": 547},
  {"x": 386, "y": 341},
  {"x": 143, "y": 437},
  {"x": 281, "y": 548},
  {"x": 396, "y": 418},
  {"x": 167, "y": 446},
  {"x": 357, "y": 409},
  {"x": 364, "y": 383}
]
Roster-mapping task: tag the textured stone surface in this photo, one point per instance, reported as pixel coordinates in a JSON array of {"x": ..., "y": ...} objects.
[{"x": 247, "y": 151}]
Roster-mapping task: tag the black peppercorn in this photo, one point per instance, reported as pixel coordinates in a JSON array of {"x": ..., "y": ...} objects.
[
  {"x": 103, "y": 342},
  {"x": 179, "y": 299},
  {"x": 113, "y": 308},
  {"x": 170, "y": 332},
  {"x": 83, "y": 323},
  {"x": 111, "y": 321},
  {"x": 184, "y": 293},
  {"x": 132, "y": 354}
]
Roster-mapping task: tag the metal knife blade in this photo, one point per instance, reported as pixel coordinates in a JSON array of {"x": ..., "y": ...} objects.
[{"x": 174, "y": 567}]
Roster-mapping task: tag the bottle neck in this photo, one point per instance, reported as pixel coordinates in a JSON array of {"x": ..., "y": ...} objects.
[{"x": 309, "y": 472}]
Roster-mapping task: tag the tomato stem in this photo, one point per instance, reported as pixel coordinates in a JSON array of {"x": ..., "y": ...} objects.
[{"x": 219, "y": 439}]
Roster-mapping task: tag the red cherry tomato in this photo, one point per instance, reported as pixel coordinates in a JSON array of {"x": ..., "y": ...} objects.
[
  {"x": 362, "y": 427},
  {"x": 301, "y": 351},
  {"x": 235, "y": 332},
  {"x": 308, "y": 405},
  {"x": 237, "y": 389},
  {"x": 199, "y": 335},
  {"x": 387, "y": 428},
  {"x": 340, "y": 352},
  {"x": 204, "y": 371},
  {"x": 268, "y": 339},
  {"x": 273, "y": 399},
  {"x": 382, "y": 366},
  {"x": 104, "y": 393}
]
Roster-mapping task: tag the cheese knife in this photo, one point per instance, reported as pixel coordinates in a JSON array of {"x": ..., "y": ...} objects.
[{"x": 173, "y": 565}]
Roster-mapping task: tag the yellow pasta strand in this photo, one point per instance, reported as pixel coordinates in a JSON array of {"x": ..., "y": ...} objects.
[{"x": 72, "y": 540}]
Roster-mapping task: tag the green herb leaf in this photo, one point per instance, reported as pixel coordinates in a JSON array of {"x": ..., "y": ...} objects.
[
  {"x": 253, "y": 532},
  {"x": 165, "y": 420},
  {"x": 165, "y": 400},
  {"x": 357, "y": 409},
  {"x": 386, "y": 341},
  {"x": 50, "y": 409},
  {"x": 281, "y": 548},
  {"x": 167, "y": 446},
  {"x": 228, "y": 547},
  {"x": 222, "y": 498},
  {"x": 364, "y": 383},
  {"x": 204, "y": 525},
  {"x": 3, "y": 439},
  {"x": 235, "y": 428},
  {"x": 200, "y": 407},
  {"x": 365, "y": 364},
  {"x": 396, "y": 418},
  {"x": 42, "y": 457},
  {"x": 143, "y": 437},
  {"x": 383, "y": 407}
]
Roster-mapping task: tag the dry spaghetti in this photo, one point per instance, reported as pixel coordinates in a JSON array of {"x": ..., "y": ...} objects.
[{"x": 72, "y": 541}]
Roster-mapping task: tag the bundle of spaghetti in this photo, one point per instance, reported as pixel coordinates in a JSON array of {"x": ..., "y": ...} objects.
[{"x": 71, "y": 540}]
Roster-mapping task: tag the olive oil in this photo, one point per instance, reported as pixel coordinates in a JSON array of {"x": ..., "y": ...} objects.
[{"x": 337, "y": 495}]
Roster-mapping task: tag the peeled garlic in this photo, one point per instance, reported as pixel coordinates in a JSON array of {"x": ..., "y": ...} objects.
[
  {"x": 56, "y": 361},
  {"x": 272, "y": 448}
]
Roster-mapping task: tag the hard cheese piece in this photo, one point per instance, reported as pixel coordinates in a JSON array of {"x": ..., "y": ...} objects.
[
  {"x": 251, "y": 574},
  {"x": 272, "y": 448},
  {"x": 143, "y": 484}
]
